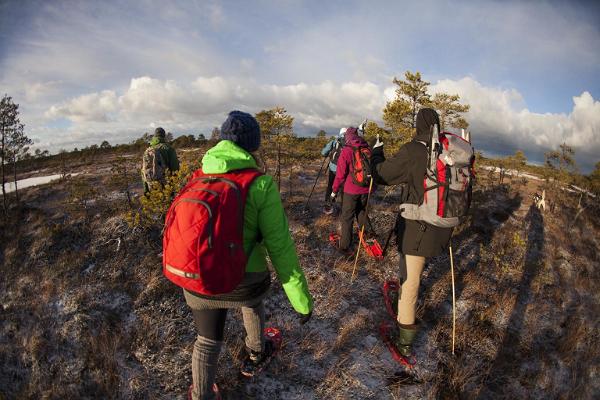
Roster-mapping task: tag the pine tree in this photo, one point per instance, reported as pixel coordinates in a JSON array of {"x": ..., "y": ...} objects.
[
  {"x": 400, "y": 114},
  {"x": 561, "y": 163},
  {"x": 18, "y": 148},
  {"x": 276, "y": 127},
  {"x": 9, "y": 123},
  {"x": 450, "y": 110}
]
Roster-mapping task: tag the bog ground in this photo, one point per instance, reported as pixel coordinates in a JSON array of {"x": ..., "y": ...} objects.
[{"x": 86, "y": 313}]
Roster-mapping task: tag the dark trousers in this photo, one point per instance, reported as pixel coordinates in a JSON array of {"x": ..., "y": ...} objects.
[
  {"x": 210, "y": 323},
  {"x": 330, "y": 180},
  {"x": 353, "y": 206}
]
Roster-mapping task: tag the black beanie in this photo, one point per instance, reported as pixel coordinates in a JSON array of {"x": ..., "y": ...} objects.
[
  {"x": 159, "y": 132},
  {"x": 242, "y": 129}
]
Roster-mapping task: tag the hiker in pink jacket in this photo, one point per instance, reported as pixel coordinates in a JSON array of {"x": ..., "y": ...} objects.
[{"x": 354, "y": 199}]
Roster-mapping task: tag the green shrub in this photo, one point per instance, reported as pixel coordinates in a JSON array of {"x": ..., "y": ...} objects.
[{"x": 155, "y": 204}]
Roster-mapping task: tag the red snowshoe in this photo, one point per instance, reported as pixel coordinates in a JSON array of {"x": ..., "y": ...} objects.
[
  {"x": 371, "y": 246},
  {"x": 389, "y": 329},
  {"x": 256, "y": 363}
]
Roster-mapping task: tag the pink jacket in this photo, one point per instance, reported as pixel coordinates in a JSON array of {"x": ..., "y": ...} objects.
[{"x": 344, "y": 165}]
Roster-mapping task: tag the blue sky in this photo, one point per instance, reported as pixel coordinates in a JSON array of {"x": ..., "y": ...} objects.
[{"x": 88, "y": 71}]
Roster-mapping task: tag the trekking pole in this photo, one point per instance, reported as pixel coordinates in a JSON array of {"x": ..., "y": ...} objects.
[
  {"x": 362, "y": 230},
  {"x": 453, "y": 298},
  {"x": 315, "y": 184}
]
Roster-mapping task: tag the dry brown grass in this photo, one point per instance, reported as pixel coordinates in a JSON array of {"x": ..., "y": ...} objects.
[
  {"x": 527, "y": 327},
  {"x": 351, "y": 328}
]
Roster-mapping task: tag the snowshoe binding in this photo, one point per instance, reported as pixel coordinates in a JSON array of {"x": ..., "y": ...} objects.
[{"x": 255, "y": 363}]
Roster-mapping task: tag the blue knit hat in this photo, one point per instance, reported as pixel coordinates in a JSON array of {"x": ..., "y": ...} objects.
[{"x": 242, "y": 129}]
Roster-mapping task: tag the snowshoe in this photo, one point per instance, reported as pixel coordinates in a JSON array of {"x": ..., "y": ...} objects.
[
  {"x": 328, "y": 209},
  {"x": 389, "y": 332},
  {"x": 372, "y": 247},
  {"x": 254, "y": 362},
  {"x": 334, "y": 240},
  {"x": 390, "y": 297}
]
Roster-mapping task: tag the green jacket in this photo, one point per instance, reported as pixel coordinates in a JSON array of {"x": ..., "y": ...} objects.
[{"x": 263, "y": 213}]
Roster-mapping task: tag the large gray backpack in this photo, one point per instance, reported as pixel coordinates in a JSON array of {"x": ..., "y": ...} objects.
[
  {"x": 448, "y": 182},
  {"x": 154, "y": 165}
]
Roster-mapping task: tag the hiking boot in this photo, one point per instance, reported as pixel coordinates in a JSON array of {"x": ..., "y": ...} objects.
[
  {"x": 256, "y": 362},
  {"x": 328, "y": 209},
  {"x": 406, "y": 335},
  {"x": 215, "y": 389}
]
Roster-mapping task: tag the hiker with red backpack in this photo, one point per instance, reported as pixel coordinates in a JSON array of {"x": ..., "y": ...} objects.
[
  {"x": 438, "y": 170},
  {"x": 158, "y": 161},
  {"x": 333, "y": 149},
  {"x": 353, "y": 177},
  {"x": 218, "y": 231}
]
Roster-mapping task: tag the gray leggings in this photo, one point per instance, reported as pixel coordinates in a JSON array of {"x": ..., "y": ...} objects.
[{"x": 210, "y": 324}]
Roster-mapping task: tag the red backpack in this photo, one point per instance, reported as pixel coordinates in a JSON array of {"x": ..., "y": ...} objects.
[
  {"x": 361, "y": 166},
  {"x": 203, "y": 234}
]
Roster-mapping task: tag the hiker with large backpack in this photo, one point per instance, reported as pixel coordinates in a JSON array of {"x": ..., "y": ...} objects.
[
  {"x": 438, "y": 171},
  {"x": 158, "y": 161},
  {"x": 333, "y": 149},
  {"x": 218, "y": 231},
  {"x": 353, "y": 177}
]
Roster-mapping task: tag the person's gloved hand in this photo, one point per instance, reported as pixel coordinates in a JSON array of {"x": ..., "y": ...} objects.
[
  {"x": 378, "y": 143},
  {"x": 362, "y": 127},
  {"x": 333, "y": 194},
  {"x": 304, "y": 318}
]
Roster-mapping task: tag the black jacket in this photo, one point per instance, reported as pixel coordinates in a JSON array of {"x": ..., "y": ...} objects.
[{"x": 409, "y": 166}]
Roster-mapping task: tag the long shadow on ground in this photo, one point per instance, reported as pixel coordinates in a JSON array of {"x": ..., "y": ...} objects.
[{"x": 507, "y": 357}]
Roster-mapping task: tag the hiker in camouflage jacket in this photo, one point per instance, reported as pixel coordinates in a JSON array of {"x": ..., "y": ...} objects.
[{"x": 167, "y": 152}]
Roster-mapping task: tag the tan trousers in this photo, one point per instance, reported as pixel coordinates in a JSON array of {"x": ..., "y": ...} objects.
[{"x": 407, "y": 303}]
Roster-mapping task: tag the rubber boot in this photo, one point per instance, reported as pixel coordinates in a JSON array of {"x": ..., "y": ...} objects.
[{"x": 406, "y": 335}]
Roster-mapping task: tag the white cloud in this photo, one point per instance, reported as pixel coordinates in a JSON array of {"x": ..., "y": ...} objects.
[
  {"x": 322, "y": 104},
  {"x": 499, "y": 117},
  {"x": 500, "y": 121},
  {"x": 86, "y": 108},
  {"x": 37, "y": 91}
]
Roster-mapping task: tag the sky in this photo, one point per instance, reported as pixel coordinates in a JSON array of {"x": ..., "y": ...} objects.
[{"x": 87, "y": 71}]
